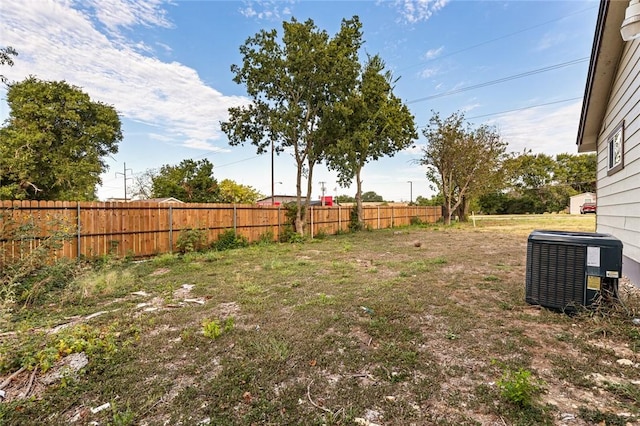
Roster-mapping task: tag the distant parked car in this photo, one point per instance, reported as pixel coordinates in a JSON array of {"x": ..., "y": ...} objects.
[{"x": 588, "y": 208}]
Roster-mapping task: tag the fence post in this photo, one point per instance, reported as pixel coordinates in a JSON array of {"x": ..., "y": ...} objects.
[
  {"x": 339, "y": 220},
  {"x": 78, "y": 226},
  {"x": 378, "y": 217},
  {"x": 235, "y": 218},
  {"x": 170, "y": 229},
  {"x": 278, "y": 237},
  {"x": 392, "y": 219},
  {"x": 311, "y": 208}
]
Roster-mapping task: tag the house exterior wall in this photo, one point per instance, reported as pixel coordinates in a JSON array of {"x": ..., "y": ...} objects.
[
  {"x": 578, "y": 200},
  {"x": 619, "y": 192}
]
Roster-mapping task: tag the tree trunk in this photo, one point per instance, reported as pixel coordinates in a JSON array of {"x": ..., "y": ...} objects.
[
  {"x": 299, "y": 222},
  {"x": 463, "y": 209},
  {"x": 308, "y": 203},
  {"x": 446, "y": 213},
  {"x": 359, "y": 199}
]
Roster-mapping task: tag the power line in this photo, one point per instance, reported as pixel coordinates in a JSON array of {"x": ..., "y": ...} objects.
[
  {"x": 525, "y": 108},
  {"x": 498, "y": 38},
  {"x": 501, "y": 80}
]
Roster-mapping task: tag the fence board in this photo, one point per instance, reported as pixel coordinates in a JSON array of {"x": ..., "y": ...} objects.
[{"x": 146, "y": 229}]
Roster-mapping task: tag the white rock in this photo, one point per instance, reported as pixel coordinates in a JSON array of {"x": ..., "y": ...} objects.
[
  {"x": 101, "y": 407},
  {"x": 626, "y": 362}
]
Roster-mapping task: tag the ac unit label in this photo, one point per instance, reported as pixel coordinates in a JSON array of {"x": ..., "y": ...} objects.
[
  {"x": 593, "y": 283},
  {"x": 612, "y": 274}
]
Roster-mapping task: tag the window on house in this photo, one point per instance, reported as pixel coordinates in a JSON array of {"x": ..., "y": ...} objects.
[{"x": 615, "y": 145}]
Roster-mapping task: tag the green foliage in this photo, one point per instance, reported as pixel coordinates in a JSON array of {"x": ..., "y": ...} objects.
[
  {"x": 354, "y": 222},
  {"x": 190, "y": 181},
  {"x": 289, "y": 98},
  {"x": 462, "y": 162},
  {"x": 212, "y": 329},
  {"x": 345, "y": 199},
  {"x": 191, "y": 240},
  {"x": 229, "y": 240},
  {"x": 32, "y": 269},
  {"x": 266, "y": 237},
  {"x": 371, "y": 196},
  {"x": 42, "y": 351},
  {"x": 415, "y": 220},
  {"x": 368, "y": 124},
  {"x": 519, "y": 387},
  {"x": 596, "y": 417},
  {"x": 538, "y": 183},
  {"x": 122, "y": 418},
  {"x": 55, "y": 141},
  {"x": 288, "y": 233},
  {"x": 436, "y": 200},
  {"x": 232, "y": 192}
]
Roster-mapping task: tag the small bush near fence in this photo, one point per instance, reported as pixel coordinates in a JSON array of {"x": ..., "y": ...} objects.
[{"x": 28, "y": 266}]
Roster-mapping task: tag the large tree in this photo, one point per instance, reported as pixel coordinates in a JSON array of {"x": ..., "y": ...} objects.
[
  {"x": 370, "y": 123},
  {"x": 292, "y": 83},
  {"x": 460, "y": 160},
  {"x": 190, "y": 181},
  {"x": 577, "y": 171},
  {"x": 54, "y": 143}
]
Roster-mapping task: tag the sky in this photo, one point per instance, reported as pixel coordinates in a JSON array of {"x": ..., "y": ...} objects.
[{"x": 165, "y": 66}]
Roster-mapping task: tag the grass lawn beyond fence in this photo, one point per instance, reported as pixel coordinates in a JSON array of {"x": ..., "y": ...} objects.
[{"x": 422, "y": 325}]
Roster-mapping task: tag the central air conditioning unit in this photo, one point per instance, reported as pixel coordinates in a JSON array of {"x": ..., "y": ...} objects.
[{"x": 566, "y": 270}]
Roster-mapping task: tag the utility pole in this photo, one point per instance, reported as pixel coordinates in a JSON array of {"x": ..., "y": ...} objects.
[
  {"x": 273, "y": 184},
  {"x": 410, "y": 191},
  {"x": 322, "y": 188},
  {"x": 124, "y": 174}
]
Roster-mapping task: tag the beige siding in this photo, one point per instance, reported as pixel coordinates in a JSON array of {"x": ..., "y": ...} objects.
[{"x": 619, "y": 194}]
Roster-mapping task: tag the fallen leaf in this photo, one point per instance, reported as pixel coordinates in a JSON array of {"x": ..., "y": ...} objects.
[
  {"x": 313, "y": 362},
  {"x": 246, "y": 397}
]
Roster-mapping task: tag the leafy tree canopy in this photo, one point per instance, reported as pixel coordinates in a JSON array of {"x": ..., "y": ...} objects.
[
  {"x": 371, "y": 196},
  {"x": 292, "y": 82},
  {"x": 463, "y": 162},
  {"x": 190, "y": 181},
  {"x": 369, "y": 123},
  {"x": 53, "y": 145},
  {"x": 345, "y": 199},
  {"x": 232, "y": 192}
]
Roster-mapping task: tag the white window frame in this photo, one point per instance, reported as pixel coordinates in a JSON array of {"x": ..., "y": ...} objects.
[{"x": 615, "y": 150}]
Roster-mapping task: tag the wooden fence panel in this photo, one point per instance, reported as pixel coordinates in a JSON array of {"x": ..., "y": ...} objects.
[{"x": 145, "y": 229}]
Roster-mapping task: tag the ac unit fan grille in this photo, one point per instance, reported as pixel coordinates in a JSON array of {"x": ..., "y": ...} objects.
[{"x": 555, "y": 275}]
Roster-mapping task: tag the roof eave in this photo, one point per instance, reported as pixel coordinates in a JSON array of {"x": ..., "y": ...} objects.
[{"x": 602, "y": 69}]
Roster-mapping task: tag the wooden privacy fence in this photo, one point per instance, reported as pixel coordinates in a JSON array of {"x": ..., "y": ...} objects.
[{"x": 144, "y": 228}]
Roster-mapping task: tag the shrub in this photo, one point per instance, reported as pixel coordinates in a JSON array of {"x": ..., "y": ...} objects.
[
  {"x": 415, "y": 220},
  {"x": 213, "y": 330},
  {"x": 230, "y": 240},
  {"x": 354, "y": 224},
  {"x": 32, "y": 269},
  {"x": 289, "y": 234},
  {"x": 191, "y": 240},
  {"x": 519, "y": 388}
]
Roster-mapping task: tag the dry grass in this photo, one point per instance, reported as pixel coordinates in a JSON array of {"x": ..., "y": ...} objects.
[{"x": 364, "y": 328}]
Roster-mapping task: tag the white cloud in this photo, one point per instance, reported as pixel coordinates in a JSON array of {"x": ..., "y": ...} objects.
[
  {"x": 428, "y": 72},
  {"x": 114, "y": 14},
  {"x": 433, "y": 53},
  {"x": 414, "y": 11},
  {"x": 266, "y": 9},
  {"x": 58, "y": 42},
  {"x": 543, "y": 130},
  {"x": 470, "y": 107},
  {"x": 549, "y": 40}
]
